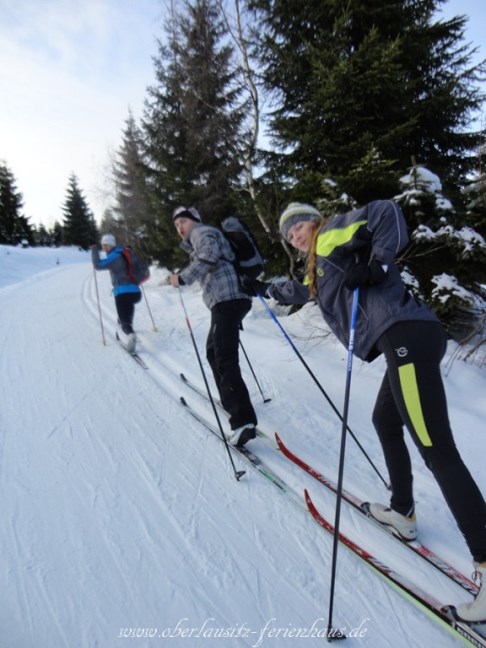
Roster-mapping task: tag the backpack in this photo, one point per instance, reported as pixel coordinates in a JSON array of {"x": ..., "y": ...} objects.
[
  {"x": 137, "y": 269},
  {"x": 248, "y": 258}
]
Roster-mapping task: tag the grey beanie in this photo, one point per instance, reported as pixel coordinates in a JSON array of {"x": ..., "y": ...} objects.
[
  {"x": 186, "y": 212},
  {"x": 295, "y": 213}
]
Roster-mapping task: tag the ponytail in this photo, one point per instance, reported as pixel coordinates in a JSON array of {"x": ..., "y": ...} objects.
[{"x": 311, "y": 268}]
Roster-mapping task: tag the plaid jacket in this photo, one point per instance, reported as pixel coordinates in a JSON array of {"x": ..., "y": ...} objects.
[{"x": 212, "y": 265}]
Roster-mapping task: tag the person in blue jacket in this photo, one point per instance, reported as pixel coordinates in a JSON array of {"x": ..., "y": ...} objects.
[
  {"x": 126, "y": 293},
  {"x": 358, "y": 249}
]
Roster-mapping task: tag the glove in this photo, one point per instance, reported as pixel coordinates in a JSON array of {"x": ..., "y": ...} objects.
[
  {"x": 364, "y": 274},
  {"x": 254, "y": 287}
]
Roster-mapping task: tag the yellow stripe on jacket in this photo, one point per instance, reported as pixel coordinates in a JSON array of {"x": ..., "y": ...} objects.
[{"x": 329, "y": 240}]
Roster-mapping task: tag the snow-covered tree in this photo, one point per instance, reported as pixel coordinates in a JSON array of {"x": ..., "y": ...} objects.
[
  {"x": 475, "y": 193},
  {"x": 446, "y": 258}
]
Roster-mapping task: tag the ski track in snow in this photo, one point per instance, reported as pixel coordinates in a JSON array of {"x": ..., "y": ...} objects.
[{"x": 120, "y": 511}]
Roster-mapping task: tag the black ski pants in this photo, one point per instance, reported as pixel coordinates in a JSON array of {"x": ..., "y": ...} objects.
[
  {"x": 125, "y": 308},
  {"x": 222, "y": 354},
  {"x": 412, "y": 394}
]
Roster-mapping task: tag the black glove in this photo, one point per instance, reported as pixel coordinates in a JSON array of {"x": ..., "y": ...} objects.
[
  {"x": 364, "y": 274},
  {"x": 254, "y": 287}
]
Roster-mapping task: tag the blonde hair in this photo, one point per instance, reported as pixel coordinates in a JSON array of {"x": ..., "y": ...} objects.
[{"x": 311, "y": 266}]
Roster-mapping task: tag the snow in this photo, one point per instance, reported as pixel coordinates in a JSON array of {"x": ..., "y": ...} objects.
[
  {"x": 421, "y": 180},
  {"x": 122, "y": 523},
  {"x": 446, "y": 287},
  {"x": 424, "y": 178}
]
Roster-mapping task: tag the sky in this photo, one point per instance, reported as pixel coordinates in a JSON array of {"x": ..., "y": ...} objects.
[
  {"x": 70, "y": 73},
  {"x": 120, "y": 512}
]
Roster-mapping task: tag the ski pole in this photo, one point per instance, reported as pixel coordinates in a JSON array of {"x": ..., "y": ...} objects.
[
  {"x": 354, "y": 313},
  {"x": 150, "y": 312},
  {"x": 320, "y": 387},
  {"x": 99, "y": 307},
  {"x": 238, "y": 473},
  {"x": 265, "y": 400}
]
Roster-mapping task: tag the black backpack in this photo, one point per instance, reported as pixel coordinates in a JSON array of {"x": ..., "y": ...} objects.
[
  {"x": 137, "y": 269},
  {"x": 248, "y": 258}
]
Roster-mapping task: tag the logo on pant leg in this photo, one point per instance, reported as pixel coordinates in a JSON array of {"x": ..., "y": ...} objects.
[{"x": 401, "y": 352}]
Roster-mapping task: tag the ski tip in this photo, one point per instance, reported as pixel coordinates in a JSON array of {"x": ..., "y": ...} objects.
[
  {"x": 183, "y": 400},
  {"x": 183, "y": 377}
]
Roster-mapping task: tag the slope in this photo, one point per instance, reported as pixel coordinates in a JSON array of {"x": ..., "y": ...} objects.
[{"x": 121, "y": 515}]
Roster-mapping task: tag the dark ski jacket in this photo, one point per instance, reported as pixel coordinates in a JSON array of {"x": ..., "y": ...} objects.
[{"x": 376, "y": 231}]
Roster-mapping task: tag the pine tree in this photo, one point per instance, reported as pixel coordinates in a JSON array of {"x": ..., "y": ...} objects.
[
  {"x": 42, "y": 236},
  {"x": 362, "y": 86},
  {"x": 192, "y": 122},
  {"x": 79, "y": 227},
  {"x": 475, "y": 194},
  {"x": 14, "y": 226},
  {"x": 446, "y": 260},
  {"x": 56, "y": 234},
  {"x": 132, "y": 211}
]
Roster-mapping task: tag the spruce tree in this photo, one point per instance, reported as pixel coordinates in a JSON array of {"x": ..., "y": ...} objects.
[
  {"x": 192, "y": 122},
  {"x": 79, "y": 227},
  {"x": 14, "y": 226},
  {"x": 132, "y": 211},
  {"x": 446, "y": 260},
  {"x": 359, "y": 87},
  {"x": 475, "y": 194},
  {"x": 56, "y": 234}
]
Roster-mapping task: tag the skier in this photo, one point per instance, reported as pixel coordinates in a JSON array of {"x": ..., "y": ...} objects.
[
  {"x": 357, "y": 249},
  {"x": 211, "y": 263},
  {"x": 126, "y": 294}
]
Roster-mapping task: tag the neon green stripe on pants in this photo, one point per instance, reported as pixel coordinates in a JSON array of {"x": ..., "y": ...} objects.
[{"x": 411, "y": 396}]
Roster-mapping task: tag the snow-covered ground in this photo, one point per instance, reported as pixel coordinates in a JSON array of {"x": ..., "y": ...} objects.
[{"x": 121, "y": 521}]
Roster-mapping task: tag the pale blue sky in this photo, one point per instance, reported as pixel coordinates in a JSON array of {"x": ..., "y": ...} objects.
[{"x": 70, "y": 70}]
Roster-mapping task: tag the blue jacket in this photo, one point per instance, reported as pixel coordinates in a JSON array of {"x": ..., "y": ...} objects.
[
  {"x": 117, "y": 265},
  {"x": 378, "y": 230}
]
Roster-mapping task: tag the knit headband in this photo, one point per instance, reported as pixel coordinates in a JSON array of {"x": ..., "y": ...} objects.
[{"x": 295, "y": 213}]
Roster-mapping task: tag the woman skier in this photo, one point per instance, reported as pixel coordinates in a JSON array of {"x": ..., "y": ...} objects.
[{"x": 357, "y": 249}]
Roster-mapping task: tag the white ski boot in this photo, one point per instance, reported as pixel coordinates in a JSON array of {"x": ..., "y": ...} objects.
[
  {"x": 403, "y": 525},
  {"x": 475, "y": 612},
  {"x": 131, "y": 343},
  {"x": 242, "y": 434}
]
